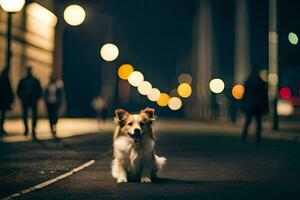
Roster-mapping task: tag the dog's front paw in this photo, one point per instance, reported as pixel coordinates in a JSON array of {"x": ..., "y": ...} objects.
[
  {"x": 122, "y": 180},
  {"x": 145, "y": 180}
]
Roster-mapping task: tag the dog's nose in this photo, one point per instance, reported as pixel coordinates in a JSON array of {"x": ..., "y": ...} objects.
[{"x": 137, "y": 131}]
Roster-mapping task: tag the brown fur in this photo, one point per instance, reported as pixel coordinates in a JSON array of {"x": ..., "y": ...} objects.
[{"x": 135, "y": 157}]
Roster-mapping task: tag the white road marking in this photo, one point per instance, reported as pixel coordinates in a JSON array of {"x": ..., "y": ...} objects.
[{"x": 51, "y": 181}]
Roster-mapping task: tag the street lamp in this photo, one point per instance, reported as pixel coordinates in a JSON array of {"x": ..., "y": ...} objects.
[
  {"x": 10, "y": 6},
  {"x": 74, "y": 15}
]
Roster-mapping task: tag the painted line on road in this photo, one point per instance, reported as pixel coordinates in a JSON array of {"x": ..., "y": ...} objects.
[{"x": 51, "y": 181}]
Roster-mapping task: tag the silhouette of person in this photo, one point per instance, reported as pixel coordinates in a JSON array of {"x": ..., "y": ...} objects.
[
  {"x": 255, "y": 103},
  {"x": 104, "y": 112},
  {"x": 101, "y": 107},
  {"x": 53, "y": 98},
  {"x": 6, "y": 97},
  {"x": 29, "y": 91}
]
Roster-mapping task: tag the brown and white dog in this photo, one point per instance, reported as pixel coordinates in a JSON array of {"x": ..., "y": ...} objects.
[{"x": 133, "y": 143}]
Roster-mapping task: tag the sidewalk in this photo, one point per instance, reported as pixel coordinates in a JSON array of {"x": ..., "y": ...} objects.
[
  {"x": 288, "y": 130},
  {"x": 66, "y": 127},
  {"x": 69, "y": 127}
]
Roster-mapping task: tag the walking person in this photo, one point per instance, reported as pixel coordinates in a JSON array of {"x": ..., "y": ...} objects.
[
  {"x": 29, "y": 91},
  {"x": 6, "y": 98},
  {"x": 255, "y": 103},
  {"x": 100, "y": 105},
  {"x": 53, "y": 100},
  {"x": 104, "y": 112}
]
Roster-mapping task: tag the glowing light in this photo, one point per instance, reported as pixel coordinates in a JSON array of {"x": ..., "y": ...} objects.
[
  {"x": 175, "y": 103},
  {"x": 124, "y": 71},
  {"x": 74, "y": 15},
  {"x": 216, "y": 85},
  {"x": 144, "y": 88},
  {"x": 12, "y": 5},
  {"x": 263, "y": 74},
  {"x": 135, "y": 78},
  {"x": 285, "y": 108},
  {"x": 163, "y": 99},
  {"x": 154, "y": 94},
  {"x": 293, "y": 38},
  {"x": 184, "y": 90},
  {"x": 238, "y": 91},
  {"x": 185, "y": 78},
  {"x": 109, "y": 52},
  {"x": 273, "y": 79},
  {"x": 285, "y": 93},
  {"x": 173, "y": 93}
]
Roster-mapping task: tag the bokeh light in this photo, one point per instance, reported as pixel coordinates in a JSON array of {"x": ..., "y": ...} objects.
[
  {"x": 135, "y": 78},
  {"x": 154, "y": 94},
  {"x": 163, "y": 99},
  {"x": 124, "y": 71},
  {"x": 12, "y": 5},
  {"x": 74, "y": 15},
  {"x": 174, "y": 93},
  {"x": 293, "y": 38},
  {"x": 216, "y": 85},
  {"x": 109, "y": 52},
  {"x": 273, "y": 79},
  {"x": 284, "y": 108},
  {"x": 238, "y": 91},
  {"x": 263, "y": 74},
  {"x": 184, "y": 90},
  {"x": 145, "y": 88},
  {"x": 185, "y": 78},
  {"x": 285, "y": 93},
  {"x": 175, "y": 103}
]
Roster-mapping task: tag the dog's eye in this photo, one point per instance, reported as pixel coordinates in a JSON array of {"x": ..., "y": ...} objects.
[
  {"x": 142, "y": 123},
  {"x": 129, "y": 124}
]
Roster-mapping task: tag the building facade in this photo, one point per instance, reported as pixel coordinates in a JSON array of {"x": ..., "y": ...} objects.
[{"x": 33, "y": 36}]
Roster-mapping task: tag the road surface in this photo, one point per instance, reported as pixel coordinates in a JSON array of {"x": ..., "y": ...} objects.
[{"x": 203, "y": 163}]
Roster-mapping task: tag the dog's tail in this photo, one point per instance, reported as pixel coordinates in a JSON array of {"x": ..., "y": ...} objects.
[{"x": 160, "y": 162}]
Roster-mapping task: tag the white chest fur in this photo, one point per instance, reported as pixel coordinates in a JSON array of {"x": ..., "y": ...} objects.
[{"x": 134, "y": 156}]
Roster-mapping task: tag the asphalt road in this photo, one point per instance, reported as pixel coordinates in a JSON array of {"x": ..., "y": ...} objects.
[{"x": 201, "y": 165}]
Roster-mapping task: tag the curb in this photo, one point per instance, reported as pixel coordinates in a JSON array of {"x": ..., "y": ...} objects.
[{"x": 49, "y": 182}]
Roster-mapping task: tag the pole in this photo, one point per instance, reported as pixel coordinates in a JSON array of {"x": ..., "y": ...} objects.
[
  {"x": 273, "y": 62},
  {"x": 8, "y": 39}
]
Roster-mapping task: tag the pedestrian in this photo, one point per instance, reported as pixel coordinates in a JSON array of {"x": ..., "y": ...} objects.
[
  {"x": 255, "y": 103},
  {"x": 100, "y": 105},
  {"x": 53, "y": 99},
  {"x": 6, "y": 98},
  {"x": 104, "y": 112},
  {"x": 29, "y": 91}
]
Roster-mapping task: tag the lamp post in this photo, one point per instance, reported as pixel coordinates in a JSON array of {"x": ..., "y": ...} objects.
[
  {"x": 11, "y": 7},
  {"x": 273, "y": 61}
]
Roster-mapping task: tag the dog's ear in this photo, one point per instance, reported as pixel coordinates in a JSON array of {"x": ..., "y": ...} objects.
[
  {"x": 121, "y": 115},
  {"x": 149, "y": 113}
]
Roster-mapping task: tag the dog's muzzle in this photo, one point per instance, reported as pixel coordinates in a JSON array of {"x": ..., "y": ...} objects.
[{"x": 136, "y": 135}]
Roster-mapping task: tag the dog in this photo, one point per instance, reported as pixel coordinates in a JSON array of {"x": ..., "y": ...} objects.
[{"x": 133, "y": 144}]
